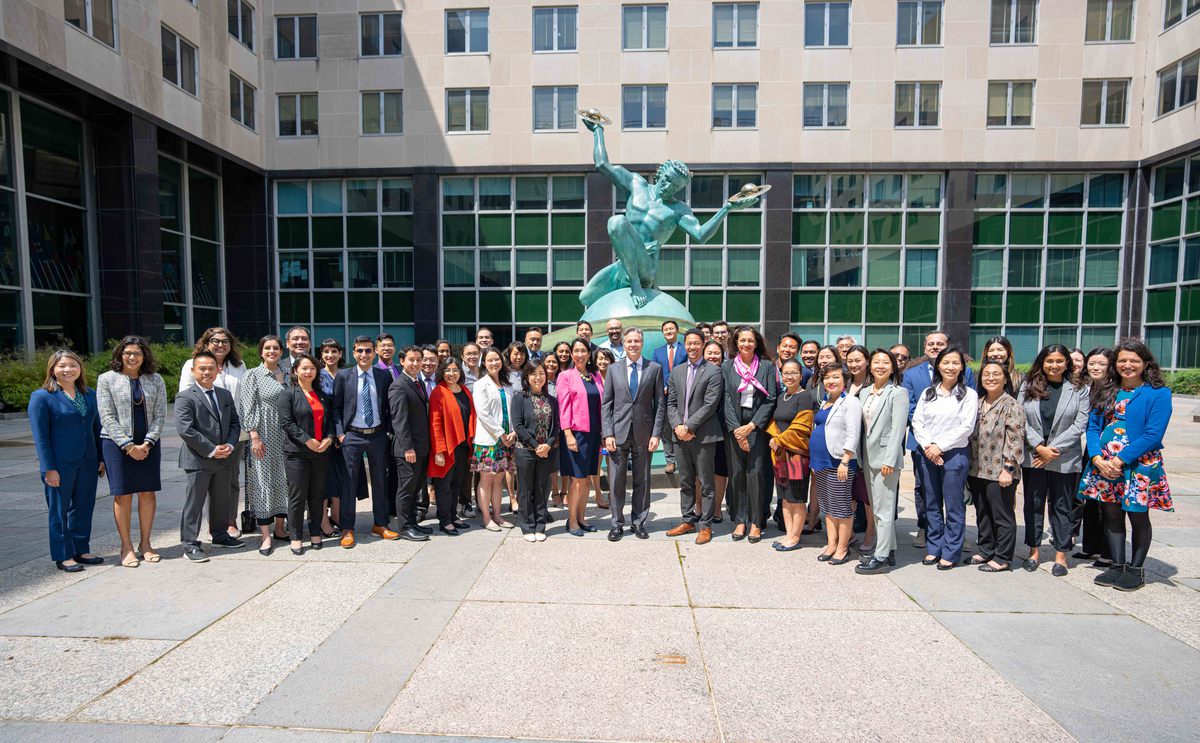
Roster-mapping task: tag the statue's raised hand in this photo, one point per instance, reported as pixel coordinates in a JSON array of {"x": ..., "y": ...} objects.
[
  {"x": 743, "y": 204},
  {"x": 592, "y": 125}
]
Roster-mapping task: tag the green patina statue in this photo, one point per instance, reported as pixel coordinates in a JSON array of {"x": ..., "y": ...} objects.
[{"x": 651, "y": 215}]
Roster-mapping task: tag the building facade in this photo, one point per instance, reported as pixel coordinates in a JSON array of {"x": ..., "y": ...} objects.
[{"x": 1025, "y": 167}]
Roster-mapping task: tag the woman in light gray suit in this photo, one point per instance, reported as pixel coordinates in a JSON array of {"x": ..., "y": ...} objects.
[
  {"x": 1056, "y": 415},
  {"x": 885, "y": 419},
  {"x": 132, "y": 401}
]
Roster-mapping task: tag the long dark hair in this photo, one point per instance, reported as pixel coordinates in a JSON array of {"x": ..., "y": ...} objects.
[
  {"x": 1106, "y": 397},
  {"x": 897, "y": 375},
  {"x": 866, "y": 357},
  {"x": 501, "y": 380},
  {"x": 1008, "y": 388},
  {"x": 233, "y": 357},
  {"x": 760, "y": 346},
  {"x": 514, "y": 346},
  {"x": 1007, "y": 346},
  {"x": 554, "y": 351},
  {"x": 590, "y": 366},
  {"x": 296, "y": 367},
  {"x": 814, "y": 381},
  {"x": 1036, "y": 381},
  {"x": 149, "y": 365},
  {"x": 960, "y": 386},
  {"x": 1111, "y": 358}
]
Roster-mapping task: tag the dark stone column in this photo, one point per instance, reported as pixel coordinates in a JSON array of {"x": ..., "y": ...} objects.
[
  {"x": 426, "y": 257},
  {"x": 129, "y": 244},
  {"x": 777, "y": 256},
  {"x": 249, "y": 273},
  {"x": 599, "y": 209},
  {"x": 956, "y": 256},
  {"x": 1133, "y": 280}
]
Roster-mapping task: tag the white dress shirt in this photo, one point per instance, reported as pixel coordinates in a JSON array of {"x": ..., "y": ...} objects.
[
  {"x": 365, "y": 378},
  {"x": 945, "y": 421}
]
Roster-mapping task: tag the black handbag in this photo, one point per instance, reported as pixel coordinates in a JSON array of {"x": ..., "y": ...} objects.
[{"x": 248, "y": 523}]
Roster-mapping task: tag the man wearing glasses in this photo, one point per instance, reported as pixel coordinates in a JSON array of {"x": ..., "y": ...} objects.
[{"x": 297, "y": 343}]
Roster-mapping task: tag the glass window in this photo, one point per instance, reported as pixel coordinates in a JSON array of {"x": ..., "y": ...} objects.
[
  {"x": 241, "y": 22},
  {"x": 1014, "y": 21},
  {"x": 1175, "y": 11},
  {"x": 1010, "y": 104},
  {"x": 467, "y": 110},
  {"x": 643, "y": 27},
  {"x": 826, "y": 24},
  {"x": 179, "y": 62},
  {"x": 917, "y": 104},
  {"x": 1104, "y": 103},
  {"x": 297, "y": 115},
  {"x": 555, "y": 108},
  {"x": 1177, "y": 84},
  {"x": 93, "y": 17},
  {"x": 383, "y": 112},
  {"x": 826, "y": 104},
  {"x": 919, "y": 23},
  {"x": 735, "y": 106},
  {"x": 296, "y": 37},
  {"x": 644, "y": 107},
  {"x": 555, "y": 29},
  {"x": 1109, "y": 20},
  {"x": 735, "y": 25},
  {"x": 380, "y": 34},
  {"x": 467, "y": 31},
  {"x": 241, "y": 101}
]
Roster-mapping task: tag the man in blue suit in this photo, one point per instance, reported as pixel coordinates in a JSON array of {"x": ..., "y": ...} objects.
[
  {"x": 667, "y": 356},
  {"x": 917, "y": 379},
  {"x": 362, "y": 421}
]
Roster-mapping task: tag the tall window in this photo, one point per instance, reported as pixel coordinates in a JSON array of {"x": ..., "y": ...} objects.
[
  {"x": 192, "y": 253},
  {"x": 554, "y": 108},
  {"x": 555, "y": 29},
  {"x": 1175, "y": 11},
  {"x": 241, "y": 22},
  {"x": 94, "y": 18},
  {"x": 644, "y": 27},
  {"x": 826, "y": 104},
  {"x": 1172, "y": 301},
  {"x": 12, "y": 289},
  {"x": 1105, "y": 103},
  {"x": 383, "y": 112},
  {"x": 345, "y": 257},
  {"x": 179, "y": 64},
  {"x": 467, "y": 31},
  {"x": 735, "y": 106},
  {"x": 919, "y": 23},
  {"x": 865, "y": 255},
  {"x": 379, "y": 34},
  {"x": 512, "y": 253},
  {"x": 297, "y": 114},
  {"x": 241, "y": 101},
  {"x": 296, "y": 37},
  {"x": 644, "y": 107},
  {"x": 1014, "y": 21},
  {"x": 1046, "y": 260},
  {"x": 467, "y": 110},
  {"x": 918, "y": 104},
  {"x": 735, "y": 25},
  {"x": 1109, "y": 20},
  {"x": 1010, "y": 103},
  {"x": 826, "y": 24},
  {"x": 1177, "y": 84}
]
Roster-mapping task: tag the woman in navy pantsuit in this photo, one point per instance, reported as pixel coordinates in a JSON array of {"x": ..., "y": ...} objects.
[{"x": 66, "y": 433}]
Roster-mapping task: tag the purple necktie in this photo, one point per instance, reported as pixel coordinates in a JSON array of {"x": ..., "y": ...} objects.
[{"x": 687, "y": 390}]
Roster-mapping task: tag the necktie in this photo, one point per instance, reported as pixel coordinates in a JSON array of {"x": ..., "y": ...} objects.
[
  {"x": 633, "y": 384},
  {"x": 670, "y": 357},
  {"x": 212, "y": 401},
  {"x": 687, "y": 389},
  {"x": 365, "y": 397}
]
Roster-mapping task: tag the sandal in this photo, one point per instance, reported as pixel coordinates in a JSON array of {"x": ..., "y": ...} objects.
[
  {"x": 151, "y": 556},
  {"x": 130, "y": 560},
  {"x": 988, "y": 568},
  {"x": 978, "y": 560},
  {"x": 929, "y": 560}
]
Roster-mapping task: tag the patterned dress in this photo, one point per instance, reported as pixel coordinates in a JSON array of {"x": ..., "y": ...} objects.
[
  {"x": 266, "y": 481},
  {"x": 1144, "y": 484},
  {"x": 497, "y": 457}
]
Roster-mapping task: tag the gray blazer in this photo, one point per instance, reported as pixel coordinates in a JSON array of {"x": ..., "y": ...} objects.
[
  {"x": 843, "y": 427},
  {"x": 640, "y": 418},
  {"x": 705, "y": 406},
  {"x": 116, "y": 407},
  {"x": 882, "y": 441},
  {"x": 1070, "y": 423},
  {"x": 200, "y": 430}
]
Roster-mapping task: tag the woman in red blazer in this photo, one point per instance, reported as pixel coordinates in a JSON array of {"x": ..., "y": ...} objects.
[{"x": 451, "y": 431}]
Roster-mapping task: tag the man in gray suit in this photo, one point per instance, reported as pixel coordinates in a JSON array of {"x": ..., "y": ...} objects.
[
  {"x": 207, "y": 421},
  {"x": 631, "y": 416},
  {"x": 694, "y": 399}
]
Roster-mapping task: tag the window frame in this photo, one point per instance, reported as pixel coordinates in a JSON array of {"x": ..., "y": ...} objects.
[
  {"x": 1186, "y": 11},
  {"x": 380, "y": 19},
  {"x": 556, "y": 90},
  {"x": 554, "y": 10},
  {"x": 921, "y": 12},
  {"x": 737, "y": 21},
  {"x": 468, "y": 108},
  {"x": 1176, "y": 68},
  {"x": 1011, "y": 31},
  {"x": 245, "y": 15},
  {"x": 89, "y": 21},
  {"x": 643, "y": 8},
  {"x": 180, "y": 43},
  {"x": 645, "y": 99},
  {"x": 299, "y": 119},
  {"x": 1010, "y": 96},
  {"x": 917, "y": 87},
  {"x": 243, "y": 86},
  {"x": 1104, "y": 86},
  {"x": 467, "y": 14},
  {"x": 1108, "y": 24},
  {"x": 734, "y": 110},
  {"x": 297, "y": 36},
  {"x": 381, "y": 97},
  {"x": 824, "y": 106},
  {"x": 825, "y": 28}
]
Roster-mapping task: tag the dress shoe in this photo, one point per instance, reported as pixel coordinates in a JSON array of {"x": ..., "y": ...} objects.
[
  {"x": 919, "y": 540},
  {"x": 347, "y": 539},
  {"x": 585, "y": 527},
  {"x": 449, "y": 530},
  {"x": 228, "y": 542},
  {"x": 411, "y": 534},
  {"x": 93, "y": 560},
  {"x": 737, "y": 537},
  {"x": 754, "y": 537},
  {"x": 704, "y": 536},
  {"x": 423, "y": 529},
  {"x": 840, "y": 560},
  {"x": 576, "y": 532},
  {"x": 945, "y": 565},
  {"x": 989, "y": 568},
  {"x": 1110, "y": 577},
  {"x": 1131, "y": 580},
  {"x": 824, "y": 557},
  {"x": 639, "y": 531},
  {"x": 684, "y": 528},
  {"x": 461, "y": 525},
  {"x": 384, "y": 533},
  {"x": 267, "y": 551},
  {"x": 786, "y": 548},
  {"x": 615, "y": 533},
  {"x": 1059, "y": 570},
  {"x": 315, "y": 545},
  {"x": 872, "y": 566},
  {"x": 76, "y": 568},
  {"x": 298, "y": 550},
  {"x": 1030, "y": 565}
]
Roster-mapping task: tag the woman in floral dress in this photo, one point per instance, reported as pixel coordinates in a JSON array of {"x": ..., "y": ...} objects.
[
  {"x": 266, "y": 481},
  {"x": 1131, "y": 410}
]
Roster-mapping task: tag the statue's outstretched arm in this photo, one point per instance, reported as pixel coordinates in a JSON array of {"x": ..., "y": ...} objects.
[
  {"x": 699, "y": 232},
  {"x": 615, "y": 173}
]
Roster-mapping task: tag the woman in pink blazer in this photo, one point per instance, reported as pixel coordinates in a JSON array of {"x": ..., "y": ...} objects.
[{"x": 579, "y": 390}]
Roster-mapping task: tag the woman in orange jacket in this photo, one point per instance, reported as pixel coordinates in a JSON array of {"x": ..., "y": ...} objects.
[{"x": 451, "y": 431}]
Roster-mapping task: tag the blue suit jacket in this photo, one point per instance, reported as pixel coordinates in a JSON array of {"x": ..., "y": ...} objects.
[
  {"x": 660, "y": 357},
  {"x": 61, "y": 435},
  {"x": 916, "y": 380},
  {"x": 345, "y": 398},
  {"x": 1146, "y": 418}
]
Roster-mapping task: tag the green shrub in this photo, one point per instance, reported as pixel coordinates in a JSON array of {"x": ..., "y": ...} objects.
[{"x": 1184, "y": 381}]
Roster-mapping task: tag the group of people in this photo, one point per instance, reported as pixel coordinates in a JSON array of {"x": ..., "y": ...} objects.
[{"x": 820, "y": 430}]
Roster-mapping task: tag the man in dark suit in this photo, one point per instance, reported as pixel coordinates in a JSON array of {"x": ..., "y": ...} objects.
[
  {"x": 694, "y": 407},
  {"x": 362, "y": 423},
  {"x": 667, "y": 356},
  {"x": 533, "y": 344},
  {"x": 917, "y": 379},
  {"x": 207, "y": 421},
  {"x": 631, "y": 418},
  {"x": 408, "y": 404}
]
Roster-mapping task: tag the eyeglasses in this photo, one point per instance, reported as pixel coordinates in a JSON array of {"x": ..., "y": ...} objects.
[
  {"x": 901, "y": 357},
  {"x": 362, "y": 350},
  {"x": 218, "y": 341},
  {"x": 132, "y": 354}
]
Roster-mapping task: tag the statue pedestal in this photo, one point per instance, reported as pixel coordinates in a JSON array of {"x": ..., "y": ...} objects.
[{"x": 619, "y": 304}]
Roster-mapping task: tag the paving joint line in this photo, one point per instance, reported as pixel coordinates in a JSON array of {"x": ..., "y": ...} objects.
[{"x": 712, "y": 696}]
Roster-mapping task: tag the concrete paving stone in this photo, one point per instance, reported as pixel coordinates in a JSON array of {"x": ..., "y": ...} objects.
[
  {"x": 1163, "y": 604},
  {"x": 25, "y": 483},
  {"x": 631, "y": 571},
  {"x": 106, "y": 732},
  {"x": 884, "y": 667},
  {"x": 737, "y": 574},
  {"x": 276, "y": 735},
  {"x": 49, "y": 678},
  {"x": 1176, "y": 536},
  {"x": 967, "y": 589},
  {"x": 444, "y": 569},
  {"x": 1186, "y": 513},
  {"x": 145, "y": 602},
  {"x": 34, "y": 579},
  {"x": 1173, "y": 562},
  {"x": 26, "y": 500},
  {"x": 20, "y": 519},
  {"x": 1189, "y": 582},
  {"x": 402, "y": 738},
  {"x": 220, "y": 674},
  {"x": 388, "y": 636},
  {"x": 1151, "y": 697},
  {"x": 371, "y": 549},
  {"x": 627, "y": 673}
]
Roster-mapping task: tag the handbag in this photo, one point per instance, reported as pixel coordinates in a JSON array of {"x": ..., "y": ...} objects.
[
  {"x": 247, "y": 524},
  {"x": 790, "y": 467}
]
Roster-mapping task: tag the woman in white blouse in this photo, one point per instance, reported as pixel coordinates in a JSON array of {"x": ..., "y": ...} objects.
[
  {"x": 494, "y": 437},
  {"x": 942, "y": 425}
]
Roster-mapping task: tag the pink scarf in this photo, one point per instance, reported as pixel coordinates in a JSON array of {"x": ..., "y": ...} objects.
[{"x": 747, "y": 374}]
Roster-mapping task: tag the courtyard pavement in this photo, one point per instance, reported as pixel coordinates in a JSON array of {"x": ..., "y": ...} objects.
[{"x": 487, "y": 637}]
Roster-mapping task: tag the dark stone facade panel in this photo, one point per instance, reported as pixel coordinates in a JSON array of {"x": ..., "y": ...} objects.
[
  {"x": 427, "y": 259},
  {"x": 955, "y": 291}
]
